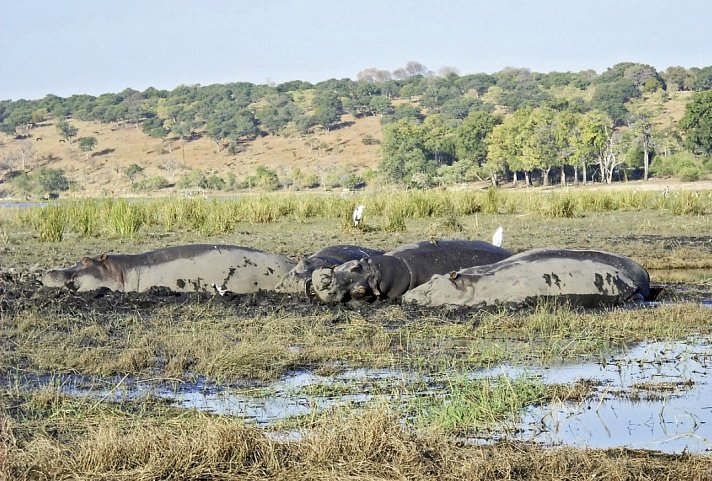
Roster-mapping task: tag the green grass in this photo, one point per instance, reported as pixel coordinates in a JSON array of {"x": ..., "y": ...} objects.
[{"x": 207, "y": 218}]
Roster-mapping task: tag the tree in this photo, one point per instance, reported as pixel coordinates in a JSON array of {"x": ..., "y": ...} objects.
[
  {"x": 641, "y": 123},
  {"x": 678, "y": 78},
  {"x": 598, "y": 142},
  {"x": 327, "y": 109},
  {"x": 471, "y": 135},
  {"x": 52, "y": 180},
  {"x": 611, "y": 98},
  {"x": 133, "y": 171},
  {"x": 566, "y": 131},
  {"x": 26, "y": 153},
  {"x": 87, "y": 144},
  {"x": 505, "y": 145},
  {"x": 703, "y": 79},
  {"x": 67, "y": 131},
  {"x": 539, "y": 147},
  {"x": 403, "y": 153},
  {"x": 438, "y": 139},
  {"x": 696, "y": 123}
]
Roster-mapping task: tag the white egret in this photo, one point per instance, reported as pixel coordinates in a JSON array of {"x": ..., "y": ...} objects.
[{"x": 498, "y": 236}]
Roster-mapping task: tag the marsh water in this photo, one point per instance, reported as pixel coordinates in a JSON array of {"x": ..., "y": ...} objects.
[{"x": 655, "y": 395}]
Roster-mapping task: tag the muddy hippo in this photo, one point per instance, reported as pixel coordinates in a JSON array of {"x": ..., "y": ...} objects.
[
  {"x": 586, "y": 278},
  {"x": 298, "y": 279},
  {"x": 188, "y": 268},
  {"x": 391, "y": 275}
]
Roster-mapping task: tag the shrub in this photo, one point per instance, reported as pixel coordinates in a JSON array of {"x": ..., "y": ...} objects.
[
  {"x": 215, "y": 182},
  {"x": 370, "y": 140},
  {"x": 690, "y": 174},
  {"x": 352, "y": 181},
  {"x": 52, "y": 180},
  {"x": 151, "y": 184}
]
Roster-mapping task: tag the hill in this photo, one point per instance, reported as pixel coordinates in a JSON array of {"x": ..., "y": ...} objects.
[{"x": 101, "y": 172}]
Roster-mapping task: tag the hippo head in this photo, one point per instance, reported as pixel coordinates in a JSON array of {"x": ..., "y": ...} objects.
[
  {"x": 353, "y": 280},
  {"x": 447, "y": 289},
  {"x": 299, "y": 278},
  {"x": 88, "y": 274}
]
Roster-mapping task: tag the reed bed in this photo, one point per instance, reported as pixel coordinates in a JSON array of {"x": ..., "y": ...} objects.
[{"x": 208, "y": 217}]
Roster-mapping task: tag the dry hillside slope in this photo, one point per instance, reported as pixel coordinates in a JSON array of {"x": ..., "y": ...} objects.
[{"x": 102, "y": 171}]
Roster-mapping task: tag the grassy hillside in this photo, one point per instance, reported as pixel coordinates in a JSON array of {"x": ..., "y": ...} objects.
[{"x": 326, "y": 154}]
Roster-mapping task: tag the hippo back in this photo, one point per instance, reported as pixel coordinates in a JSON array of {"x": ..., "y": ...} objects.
[
  {"x": 391, "y": 275},
  {"x": 187, "y": 268},
  {"x": 586, "y": 278},
  {"x": 424, "y": 259}
]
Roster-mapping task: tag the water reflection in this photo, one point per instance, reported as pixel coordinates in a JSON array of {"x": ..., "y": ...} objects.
[
  {"x": 672, "y": 419},
  {"x": 654, "y": 396}
]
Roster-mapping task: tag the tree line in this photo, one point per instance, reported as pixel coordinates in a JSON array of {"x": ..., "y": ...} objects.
[{"x": 437, "y": 127}]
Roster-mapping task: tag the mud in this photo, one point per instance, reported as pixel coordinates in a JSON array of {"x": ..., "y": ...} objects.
[{"x": 21, "y": 290}]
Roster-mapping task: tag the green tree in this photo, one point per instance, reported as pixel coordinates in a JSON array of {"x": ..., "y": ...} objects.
[
  {"x": 470, "y": 138},
  {"x": 599, "y": 143},
  {"x": 51, "y": 180},
  {"x": 611, "y": 98},
  {"x": 87, "y": 144},
  {"x": 67, "y": 131},
  {"x": 327, "y": 109},
  {"x": 539, "y": 142},
  {"x": 566, "y": 132},
  {"x": 403, "y": 153},
  {"x": 696, "y": 123},
  {"x": 641, "y": 123},
  {"x": 133, "y": 171}
]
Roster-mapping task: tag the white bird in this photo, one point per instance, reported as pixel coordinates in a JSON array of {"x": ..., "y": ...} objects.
[
  {"x": 219, "y": 289},
  {"x": 357, "y": 216},
  {"x": 666, "y": 192},
  {"x": 498, "y": 236}
]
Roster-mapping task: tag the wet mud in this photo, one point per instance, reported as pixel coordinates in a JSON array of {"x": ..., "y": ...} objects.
[{"x": 21, "y": 290}]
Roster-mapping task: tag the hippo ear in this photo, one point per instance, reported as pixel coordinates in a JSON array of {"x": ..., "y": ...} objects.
[
  {"x": 355, "y": 267},
  {"x": 86, "y": 261},
  {"x": 454, "y": 275},
  {"x": 103, "y": 257}
]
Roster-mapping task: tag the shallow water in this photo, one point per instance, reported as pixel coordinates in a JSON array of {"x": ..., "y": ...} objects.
[
  {"x": 672, "y": 415},
  {"x": 673, "y": 419}
]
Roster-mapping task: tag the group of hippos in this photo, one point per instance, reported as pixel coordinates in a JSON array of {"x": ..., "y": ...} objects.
[{"x": 430, "y": 273}]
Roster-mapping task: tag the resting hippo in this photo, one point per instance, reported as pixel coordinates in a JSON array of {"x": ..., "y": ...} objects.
[
  {"x": 298, "y": 278},
  {"x": 586, "y": 278},
  {"x": 188, "y": 268},
  {"x": 391, "y": 275}
]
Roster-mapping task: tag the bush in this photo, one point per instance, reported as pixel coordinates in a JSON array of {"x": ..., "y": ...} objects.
[
  {"x": 195, "y": 178},
  {"x": 215, "y": 182},
  {"x": 151, "y": 184},
  {"x": 690, "y": 174},
  {"x": 685, "y": 165},
  {"x": 352, "y": 181},
  {"x": 52, "y": 180},
  {"x": 370, "y": 140}
]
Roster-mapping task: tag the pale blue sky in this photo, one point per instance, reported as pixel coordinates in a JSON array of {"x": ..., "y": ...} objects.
[{"x": 70, "y": 47}]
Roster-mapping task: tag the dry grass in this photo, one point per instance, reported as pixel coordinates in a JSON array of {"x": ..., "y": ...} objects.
[
  {"x": 369, "y": 446},
  {"x": 119, "y": 147}
]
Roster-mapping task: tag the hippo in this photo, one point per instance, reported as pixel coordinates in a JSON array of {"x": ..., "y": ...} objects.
[
  {"x": 187, "y": 268},
  {"x": 392, "y": 274},
  {"x": 299, "y": 278},
  {"x": 583, "y": 278}
]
